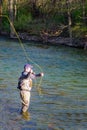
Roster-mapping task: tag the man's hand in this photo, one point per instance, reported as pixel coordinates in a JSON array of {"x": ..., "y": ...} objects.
[{"x": 42, "y": 74}]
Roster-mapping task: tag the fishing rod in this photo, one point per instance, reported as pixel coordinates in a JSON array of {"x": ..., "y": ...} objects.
[{"x": 25, "y": 53}]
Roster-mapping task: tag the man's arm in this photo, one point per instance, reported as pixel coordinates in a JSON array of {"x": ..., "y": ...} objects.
[
  {"x": 33, "y": 75},
  {"x": 39, "y": 75}
]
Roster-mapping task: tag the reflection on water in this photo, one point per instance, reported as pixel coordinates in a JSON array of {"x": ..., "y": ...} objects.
[
  {"x": 63, "y": 105},
  {"x": 26, "y": 116}
]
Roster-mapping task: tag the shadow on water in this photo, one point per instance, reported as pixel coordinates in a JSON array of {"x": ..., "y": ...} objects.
[{"x": 63, "y": 104}]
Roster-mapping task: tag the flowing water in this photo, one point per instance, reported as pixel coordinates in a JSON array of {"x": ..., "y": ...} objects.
[{"x": 63, "y": 103}]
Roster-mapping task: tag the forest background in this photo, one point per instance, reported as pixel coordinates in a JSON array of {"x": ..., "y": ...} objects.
[{"x": 46, "y": 18}]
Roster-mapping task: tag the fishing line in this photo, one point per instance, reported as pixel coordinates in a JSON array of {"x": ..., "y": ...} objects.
[{"x": 25, "y": 53}]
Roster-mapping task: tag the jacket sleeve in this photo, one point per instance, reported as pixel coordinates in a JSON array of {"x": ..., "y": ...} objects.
[
  {"x": 38, "y": 75},
  {"x": 33, "y": 75}
]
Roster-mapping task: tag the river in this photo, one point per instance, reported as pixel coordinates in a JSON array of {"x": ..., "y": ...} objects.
[{"x": 63, "y": 102}]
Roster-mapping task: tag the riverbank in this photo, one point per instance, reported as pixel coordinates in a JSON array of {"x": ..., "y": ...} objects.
[{"x": 52, "y": 40}]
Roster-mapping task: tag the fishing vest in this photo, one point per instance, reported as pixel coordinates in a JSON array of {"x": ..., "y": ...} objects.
[{"x": 25, "y": 84}]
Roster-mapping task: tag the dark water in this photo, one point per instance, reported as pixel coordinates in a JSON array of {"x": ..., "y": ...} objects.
[{"x": 63, "y": 105}]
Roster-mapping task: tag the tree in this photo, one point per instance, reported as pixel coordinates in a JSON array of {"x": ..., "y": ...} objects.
[
  {"x": 69, "y": 21},
  {"x": 0, "y": 15},
  {"x": 83, "y": 8},
  {"x": 15, "y": 9},
  {"x": 11, "y": 15}
]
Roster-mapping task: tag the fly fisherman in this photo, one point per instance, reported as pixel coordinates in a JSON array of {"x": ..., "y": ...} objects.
[{"x": 25, "y": 85}]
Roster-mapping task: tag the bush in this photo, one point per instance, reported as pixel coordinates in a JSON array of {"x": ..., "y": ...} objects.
[
  {"x": 5, "y": 25},
  {"x": 23, "y": 20},
  {"x": 79, "y": 30}
]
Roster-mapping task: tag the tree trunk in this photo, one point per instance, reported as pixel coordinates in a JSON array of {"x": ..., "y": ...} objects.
[
  {"x": 15, "y": 9},
  {"x": 11, "y": 14},
  {"x": 83, "y": 7},
  {"x": 0, "y": 16},
  {"x": 69, "y": 21}
]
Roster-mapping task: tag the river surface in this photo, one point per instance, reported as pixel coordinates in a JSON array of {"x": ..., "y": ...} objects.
[{"x": 62, "y": 105}]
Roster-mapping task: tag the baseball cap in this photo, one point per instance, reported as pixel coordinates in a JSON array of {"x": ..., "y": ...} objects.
[{"x": 28, "y": 66}]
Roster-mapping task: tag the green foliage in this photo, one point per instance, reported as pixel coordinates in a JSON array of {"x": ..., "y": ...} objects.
[
  {"x": 77, "y": 15},
  {"x": 23, "y": 18},
  {"x": 59, "y": 19},
  {"x": 79, "y": 30},
  {"x": 5, "y": 25},
  {"x": 22, "y": 21},
  {"x": 36, "y": 16}
]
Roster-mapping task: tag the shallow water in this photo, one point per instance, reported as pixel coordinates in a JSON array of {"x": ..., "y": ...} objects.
[{"x": 63, "y": 103}]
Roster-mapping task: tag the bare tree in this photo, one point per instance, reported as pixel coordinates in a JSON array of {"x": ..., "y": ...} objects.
[
  {"x": 69, "y": 21},
  {"x": 11, "y": 15},
  {"x": 15, "y": 9},
  {"x": 83, "y": 7},
  {"x": 0, "y": 16}
]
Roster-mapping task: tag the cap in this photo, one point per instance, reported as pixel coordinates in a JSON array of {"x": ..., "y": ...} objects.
[{"x": 28, "y": 66}]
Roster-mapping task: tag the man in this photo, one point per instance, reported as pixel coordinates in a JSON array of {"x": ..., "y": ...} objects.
[{"x": 25, "y": 85}]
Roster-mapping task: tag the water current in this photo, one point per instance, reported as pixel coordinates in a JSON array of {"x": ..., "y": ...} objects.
[{"x": 63, "y": 103}]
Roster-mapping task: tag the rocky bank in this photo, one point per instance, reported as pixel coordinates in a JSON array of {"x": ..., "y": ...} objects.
[{"x": 53, "y": 40}]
